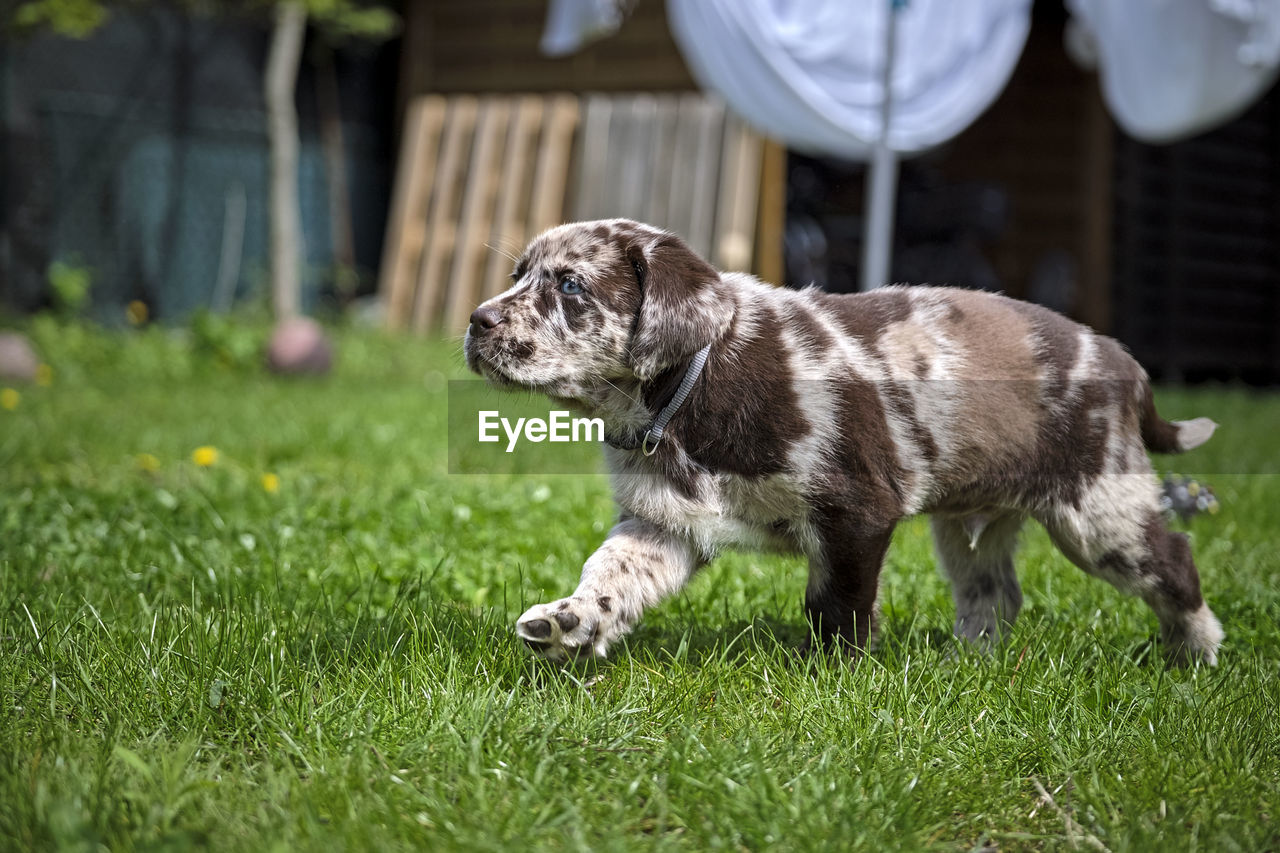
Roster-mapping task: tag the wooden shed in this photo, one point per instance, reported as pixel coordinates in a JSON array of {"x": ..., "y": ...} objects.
[{"x": 492, "y": 46}]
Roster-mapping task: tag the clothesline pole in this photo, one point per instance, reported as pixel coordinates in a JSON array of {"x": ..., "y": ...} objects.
[{"x": 882, "y": 183}]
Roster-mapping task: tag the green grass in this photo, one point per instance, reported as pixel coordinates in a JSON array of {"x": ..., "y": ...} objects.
[{"x": 187, "y": 659}]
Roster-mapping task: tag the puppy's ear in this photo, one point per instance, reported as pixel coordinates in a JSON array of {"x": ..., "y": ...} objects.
[{"x": 683, "y": 304}]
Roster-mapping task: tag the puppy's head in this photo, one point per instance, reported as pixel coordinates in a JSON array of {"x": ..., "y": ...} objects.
[{"x": 598, "y": 301}]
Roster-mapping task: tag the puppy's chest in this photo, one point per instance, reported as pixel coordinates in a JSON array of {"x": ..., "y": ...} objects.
[{"x": 721, "y": 510}]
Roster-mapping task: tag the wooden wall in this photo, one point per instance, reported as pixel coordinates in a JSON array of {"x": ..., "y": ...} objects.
[
  {"x": 492, "y": 46},
  {"x": 1197, "y": 250},
  {"x": 1047, "y": 143}
]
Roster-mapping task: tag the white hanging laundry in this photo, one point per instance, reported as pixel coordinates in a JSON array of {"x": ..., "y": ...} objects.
[
  {"x": 1170, "y": 69},
  {"x": 572, "y": 24},
  {"x": 809, "y": 72}
]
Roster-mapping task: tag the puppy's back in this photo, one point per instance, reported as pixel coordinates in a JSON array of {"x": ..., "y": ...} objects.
[{"x": 996, "y": 391}]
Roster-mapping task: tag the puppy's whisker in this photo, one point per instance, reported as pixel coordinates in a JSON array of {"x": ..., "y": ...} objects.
[
  {"x": 620, "y": 391},
  {"x": 506, "y": 253},
  {"x": 508, "y": 247}
]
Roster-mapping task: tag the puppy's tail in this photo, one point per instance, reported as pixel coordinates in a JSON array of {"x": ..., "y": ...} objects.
[{"x": 1161, "y": 436}]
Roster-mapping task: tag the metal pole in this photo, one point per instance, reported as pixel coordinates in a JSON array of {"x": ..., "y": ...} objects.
[{"x": 882, "y": 178}]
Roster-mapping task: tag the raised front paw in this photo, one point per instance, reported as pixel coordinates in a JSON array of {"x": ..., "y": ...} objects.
[{"x": 566, "y": 629}]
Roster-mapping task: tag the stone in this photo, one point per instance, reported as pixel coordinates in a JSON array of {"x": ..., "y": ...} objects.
[
  {"x": 299, "y": 347},
  {"x": 18, "y": 360}
]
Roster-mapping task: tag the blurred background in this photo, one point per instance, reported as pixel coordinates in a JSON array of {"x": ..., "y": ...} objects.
[{"x": 434, "y": 137}]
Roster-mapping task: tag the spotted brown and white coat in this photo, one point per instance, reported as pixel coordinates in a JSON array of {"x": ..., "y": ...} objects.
[{"x": 820, "y": 421}]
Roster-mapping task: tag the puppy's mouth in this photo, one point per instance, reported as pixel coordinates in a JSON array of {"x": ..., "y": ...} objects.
[
  {"x": 515, "y": 365},
  {"x": 497, "y": 361},
  {"x": 487, "y": 366}
]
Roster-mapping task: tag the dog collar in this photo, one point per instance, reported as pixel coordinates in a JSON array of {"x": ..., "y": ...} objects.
[{"x": 648, "y": 444}]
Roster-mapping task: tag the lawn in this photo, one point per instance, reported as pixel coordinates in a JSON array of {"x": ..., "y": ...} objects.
[{"x": 189, "y": 656}]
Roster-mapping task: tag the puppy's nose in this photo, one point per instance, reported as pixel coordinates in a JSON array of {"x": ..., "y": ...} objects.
[{"x": 485, "y": 318}]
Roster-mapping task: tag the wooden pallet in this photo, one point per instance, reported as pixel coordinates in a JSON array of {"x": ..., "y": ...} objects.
[
  {"x": 680, "y": 162},
  {"x": 479, "y": 176}
]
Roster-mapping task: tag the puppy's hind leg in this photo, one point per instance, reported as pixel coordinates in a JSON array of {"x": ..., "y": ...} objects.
[
  {"x": 975, "y": 553},
  {"x": 1117, "y": 533}
]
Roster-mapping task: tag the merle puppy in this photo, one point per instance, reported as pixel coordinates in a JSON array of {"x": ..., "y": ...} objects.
[{"x": 744, "y": 415}]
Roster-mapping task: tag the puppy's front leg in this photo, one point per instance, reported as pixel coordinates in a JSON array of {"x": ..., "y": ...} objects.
[
  {"x": 638, "y": 565},
  {"x": 844, "y": 573}
]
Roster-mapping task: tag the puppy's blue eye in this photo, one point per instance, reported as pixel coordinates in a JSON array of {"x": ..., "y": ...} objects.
[{"x": 570, "y": 286}]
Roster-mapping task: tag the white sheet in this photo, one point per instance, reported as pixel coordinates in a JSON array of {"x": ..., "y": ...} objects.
[
  {"x": 572, "y": 24},
  {"x": 1170, "y": 69},
  {"x": 809, "y": 72}
]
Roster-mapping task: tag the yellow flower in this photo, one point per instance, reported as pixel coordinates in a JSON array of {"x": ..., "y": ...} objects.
[
  {"x": 205, "y": 456},
  {"x": 136, "y": 313},
  {"x": 9, "y": 399},
  {"x": 148, "y": 462},
  {"x": 44, "y": 375},
  {"x": 270, "y": 483}
]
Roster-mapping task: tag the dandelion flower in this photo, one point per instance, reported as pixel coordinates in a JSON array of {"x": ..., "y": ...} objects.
[
  {"x": 136, "y": 313},
  {"x": 9, "y": 399},
  {"x": 44, "y": 375},
  {"x": 205, "y": 456},
  {"x": 270, "y": 483},
  {"x": 148, "y": 462}
]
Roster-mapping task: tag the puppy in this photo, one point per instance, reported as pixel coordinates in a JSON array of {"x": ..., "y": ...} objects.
[{"x": 743, "y": 415}]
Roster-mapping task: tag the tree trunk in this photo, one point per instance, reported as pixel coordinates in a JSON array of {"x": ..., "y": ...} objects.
[{"x": 282, "y": 131}]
